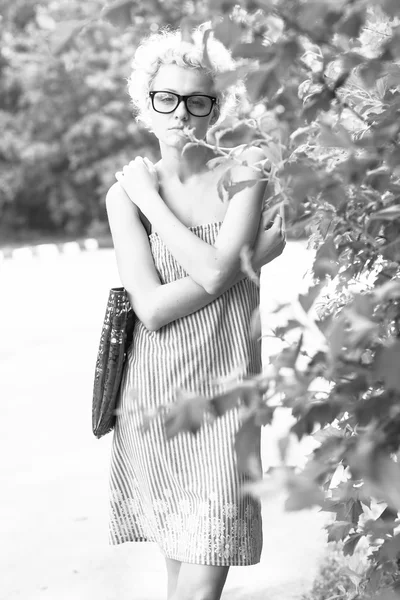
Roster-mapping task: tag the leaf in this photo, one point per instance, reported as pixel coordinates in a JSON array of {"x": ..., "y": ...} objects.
[
  {"x": 288, "y": 357},
  {"x": 302, "y": 134},
  {"x": 351, "y": 59},
  {"x": 266, "y": 5},
  {"x": 224, "y": 402},
  {"x": 363, "y": 305},
  {"x": 60, "y": 38},
  {"x": 187, "y": 24},
  {"x": 228, "y": 32},
  {"x": 226, "y": 79},
  {"x": 388, "y": 515},
  {"x": 351, "y": 24},
  {"x": 289, "y": 51},
  {"x": 336, "y": 335},
  {"x": 390, "y": 548},
  {"x": 351, "y": 543},
  {"x": 240, "y": 133},
  {"x": 291, "y": 324},
  {"x": 339, "y": 530},
  {"x": 223, "y": 183},
  {"x": 247, "y": 447},
  {"x": 239, "y": 186},
  {"x": 387, "y": 214},
  {"x": 252, "y": 50},
  {"x": 119, "y": 13},
  {"x": 272, "y": 152},
  {"x": 317, "y": 103},
  {"x": 264, "y": 415},
  {"x": 387, "y": 365},
  {"x": 283, "y": 446},
  {"x": 187, "y": 414},
  {"x": 378, "y": 528},
  {"x": 330, "y": 139},
  {"x": 303, "y": 493},
  {"x": 307, "y": 300},
  {"x": 360, "y": 329},
  {"x": 354, "y": 577},
  {"x": 391, "y": 7},
  {"x": 392, "y": 251},
  {"x": 206, "y": 59},
  {"x": 323, "y": 412},
  {"x": 371, "y": 71},
  {"x": 326, "y": 262},
  {"x": 374, "y": 578},
  {"x": 263, "y": 83},
  {"x": 382, "y": 475},
  {"x": 216, "y": 162}
]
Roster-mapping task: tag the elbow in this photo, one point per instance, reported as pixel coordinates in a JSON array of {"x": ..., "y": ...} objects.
[
  {"x": 146, "y": 314},
  {"x": 152, "y": 323},
  {"x": 214, "y": 283},
  {"x": 150, "y": 319}
]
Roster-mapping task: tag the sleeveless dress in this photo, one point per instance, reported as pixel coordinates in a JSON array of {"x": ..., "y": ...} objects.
[{"x": 185, "y": 493}]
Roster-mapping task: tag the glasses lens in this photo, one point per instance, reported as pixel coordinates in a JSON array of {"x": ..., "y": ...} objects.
[
  {"x": 200, "y": 106},
  {"x": 165, "y": 102}
]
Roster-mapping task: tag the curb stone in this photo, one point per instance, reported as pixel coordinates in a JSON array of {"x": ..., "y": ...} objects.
[{"x": 50, "y": 250}]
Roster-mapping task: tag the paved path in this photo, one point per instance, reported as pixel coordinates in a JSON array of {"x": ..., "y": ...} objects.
[{"x": 53, "y": 476}]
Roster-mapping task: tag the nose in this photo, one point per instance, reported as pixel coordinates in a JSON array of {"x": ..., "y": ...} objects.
[{"x": 181, "y": 112}]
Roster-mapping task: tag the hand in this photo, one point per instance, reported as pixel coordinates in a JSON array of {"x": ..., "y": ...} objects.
[
  {"x": 138, "y": 177},
  {"x": 269, "y": 243}
]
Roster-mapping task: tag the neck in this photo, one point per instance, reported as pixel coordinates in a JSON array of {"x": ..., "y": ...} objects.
[{"x": 183, "y": 165}]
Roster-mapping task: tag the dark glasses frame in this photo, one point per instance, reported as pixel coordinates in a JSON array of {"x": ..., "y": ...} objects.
[{"x": 185, "y": 100}]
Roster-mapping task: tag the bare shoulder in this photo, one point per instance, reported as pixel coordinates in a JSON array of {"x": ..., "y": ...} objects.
[
  {"x": 250, "y": 155},
  {"x": 119, "y": 206},
  {"x": 247, "y": 162},
  {"x": 117, "y": 200},
  {"x": 115, "y": 193}
]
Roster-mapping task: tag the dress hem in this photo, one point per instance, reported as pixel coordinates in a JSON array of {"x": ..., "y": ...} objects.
[{"x": 232, "y": 563}]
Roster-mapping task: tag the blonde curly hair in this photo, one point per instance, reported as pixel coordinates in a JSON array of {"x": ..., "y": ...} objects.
[{"x": 167, "y": 47}]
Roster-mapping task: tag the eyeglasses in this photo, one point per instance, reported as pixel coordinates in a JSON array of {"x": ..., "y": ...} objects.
[{"x": 198, "y": 105}]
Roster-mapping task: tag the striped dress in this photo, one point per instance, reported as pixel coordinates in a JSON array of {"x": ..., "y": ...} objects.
[{"x": 185, "y": 493}]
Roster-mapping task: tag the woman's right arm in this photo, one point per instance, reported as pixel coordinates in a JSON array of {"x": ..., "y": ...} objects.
[{"x": 154, "y": 303}]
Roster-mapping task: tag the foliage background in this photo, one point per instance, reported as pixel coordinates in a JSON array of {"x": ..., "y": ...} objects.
[{"x": 65, "y": 115}]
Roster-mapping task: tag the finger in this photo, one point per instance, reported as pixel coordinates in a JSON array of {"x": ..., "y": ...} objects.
[
  {"x": 277, "y": 222},
  {"x": 118, "y": 175},
  {"x": 149, "y": 164},
  {"x": 282, "y": 214}
]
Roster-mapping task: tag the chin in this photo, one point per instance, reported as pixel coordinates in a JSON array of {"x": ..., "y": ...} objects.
[{"x": 177, "y": 139}]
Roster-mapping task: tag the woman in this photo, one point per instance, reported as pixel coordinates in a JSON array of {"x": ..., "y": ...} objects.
[{"x": 193, "y": 331}]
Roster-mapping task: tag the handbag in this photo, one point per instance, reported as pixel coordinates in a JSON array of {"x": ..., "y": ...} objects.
[{"x": 115, "y": 340}]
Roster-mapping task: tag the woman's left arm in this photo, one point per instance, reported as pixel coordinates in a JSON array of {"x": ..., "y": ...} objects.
[{"x": 211, "y": 266}]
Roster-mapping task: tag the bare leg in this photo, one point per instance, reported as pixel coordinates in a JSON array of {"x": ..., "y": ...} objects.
[
  {"x": 173, "y": 568},
  {"x": 200, "y": 582}
]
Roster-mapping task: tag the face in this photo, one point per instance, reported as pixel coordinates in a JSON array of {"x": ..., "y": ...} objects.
[{"x": 168, "y": 128}]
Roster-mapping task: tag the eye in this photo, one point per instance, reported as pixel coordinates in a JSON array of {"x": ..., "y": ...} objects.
[
  {"x": 199, "y": 101},
  {"x": 165, "y": 98}
]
